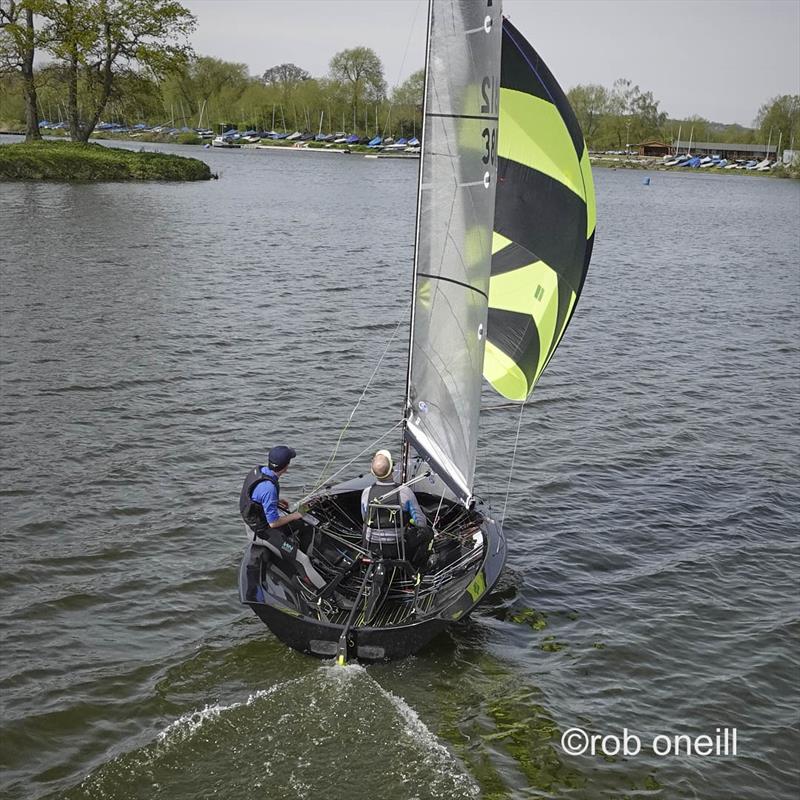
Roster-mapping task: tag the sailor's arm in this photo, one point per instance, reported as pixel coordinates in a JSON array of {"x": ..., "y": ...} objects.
[
  {"x": 286, "y": 519},
  {"x": 411, "y": 506}
]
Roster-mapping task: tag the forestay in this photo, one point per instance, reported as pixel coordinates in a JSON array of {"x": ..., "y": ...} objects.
[
  {"x": 454, "y": 237},
  {"x": 544, "y": 221}
]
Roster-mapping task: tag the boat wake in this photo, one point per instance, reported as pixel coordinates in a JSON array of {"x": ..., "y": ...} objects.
[{"x": 332, "y": 731}]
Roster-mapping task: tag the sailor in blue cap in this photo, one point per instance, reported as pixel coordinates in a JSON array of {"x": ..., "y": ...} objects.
[{"x": 261, "y": 507}]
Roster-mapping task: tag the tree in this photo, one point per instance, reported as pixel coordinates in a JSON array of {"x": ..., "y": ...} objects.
[
  {"x": 407, "y": 100},
  {"x": 409, "y": 93},
  {"x": 18, "y": 42},
  {"x": 285, "y": 75},
  {"x": 361, "y": 68},
  {"x": 287, "y": 79},
  {"x": 633, "y": 112},
  {"x": 206, "y": 82},
  {"x": 590, "y": 102},
  {"x": 780, "y": 117},
  {"x": 103, "y": 41}
]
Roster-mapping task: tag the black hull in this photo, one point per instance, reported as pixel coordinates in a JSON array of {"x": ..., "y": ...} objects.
[
  {"x": 366, "y": 644},
  {"x": 297, "y": 624}
]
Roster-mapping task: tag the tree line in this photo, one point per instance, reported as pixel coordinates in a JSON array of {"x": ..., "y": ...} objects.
[
  {"x": 625, "y": 115},
  {"x": 130, "y": 61},
  {"x": 127, "y": 61}
]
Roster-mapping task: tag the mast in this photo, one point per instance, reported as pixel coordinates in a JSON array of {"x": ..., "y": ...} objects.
[
  {"x": 404, "y": 459},
  {"x": 455, "y": 215}
]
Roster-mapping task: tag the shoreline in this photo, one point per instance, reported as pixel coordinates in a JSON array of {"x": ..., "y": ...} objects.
[
  {"x": 650, "y": 164},
  {"x": 639, "y": 163}
]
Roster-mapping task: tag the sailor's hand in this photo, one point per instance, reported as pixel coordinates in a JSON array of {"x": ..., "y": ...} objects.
[
  {"x": 283, "y": 505},
  {"x": 303, "y": 508}
]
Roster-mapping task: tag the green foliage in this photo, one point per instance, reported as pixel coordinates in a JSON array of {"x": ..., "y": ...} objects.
[
  {"x": 617, "y": 117},
  {"x": 361, "y": 70},
  {"x": 201, "y": 82},
  {"x": 99, "y": 41},
  {"x": 590, "y": 104},
  {"x": 285, "y": 75},
  {"x": 779, "y": 118},
  {"x": 12, "y": 103},
  {"x": 78, "y": 162},
  {"x": 625, "y": 114},
  {"x": 188, "y": 138},
  {"x": 20, "y": 38},
  {"x": 407, "y": 103}
]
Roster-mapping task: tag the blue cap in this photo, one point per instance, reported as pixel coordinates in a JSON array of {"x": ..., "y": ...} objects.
[{"x": 280, "y": 456}]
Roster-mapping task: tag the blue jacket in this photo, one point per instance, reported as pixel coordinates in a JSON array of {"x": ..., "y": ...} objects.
[{"x": 267, "y": 494}]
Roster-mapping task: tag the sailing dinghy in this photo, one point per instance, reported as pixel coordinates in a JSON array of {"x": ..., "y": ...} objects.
[{"x": 505, "y": 227}]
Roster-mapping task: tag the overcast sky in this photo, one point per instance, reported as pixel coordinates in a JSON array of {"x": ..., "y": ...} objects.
[{"x": 720, "y": 59}]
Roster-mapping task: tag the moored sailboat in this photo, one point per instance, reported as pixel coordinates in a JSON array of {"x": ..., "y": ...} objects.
[{"x": 505, "y": 226}]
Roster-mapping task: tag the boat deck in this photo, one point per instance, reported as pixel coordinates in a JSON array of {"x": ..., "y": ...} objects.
[{"x": 335, "y": 549}]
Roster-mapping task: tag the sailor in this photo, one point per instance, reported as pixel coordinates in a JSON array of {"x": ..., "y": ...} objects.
[
  {"x": 261, "y": 507},
  {"x": 394, "y": 525}
]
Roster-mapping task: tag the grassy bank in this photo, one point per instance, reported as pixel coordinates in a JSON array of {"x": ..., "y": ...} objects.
[{"x": 72, "y": 161}]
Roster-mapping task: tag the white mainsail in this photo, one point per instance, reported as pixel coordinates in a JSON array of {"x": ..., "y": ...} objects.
[{"x": 452, "y": 261}]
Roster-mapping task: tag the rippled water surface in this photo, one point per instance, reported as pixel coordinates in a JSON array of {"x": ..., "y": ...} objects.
[{"x": 156, "y": 339}]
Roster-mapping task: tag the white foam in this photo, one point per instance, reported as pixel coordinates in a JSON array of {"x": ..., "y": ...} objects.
[
  {"x": 188, "y": 724},
  {"x": 413, "y": 727},
  {"x": 422, "y": 734}
]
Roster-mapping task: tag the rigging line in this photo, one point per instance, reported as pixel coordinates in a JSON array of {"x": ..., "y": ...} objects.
[
  {"x": 511, "y": 469},
  {"x": 441, "y": 500},
  {"x": 402, "y": 63},
  {"x": 357, "y": 456},
  {"x": 332, "y": 457}
]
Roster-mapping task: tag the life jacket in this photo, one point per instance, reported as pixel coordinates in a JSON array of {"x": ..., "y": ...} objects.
[
  {"x": 251, "y": 511},
  {"x": 385, "y": 520}
]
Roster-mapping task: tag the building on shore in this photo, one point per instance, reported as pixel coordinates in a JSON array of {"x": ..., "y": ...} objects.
[
  {"x": 653, "y": 147},
  {"x": 729, "y": 150}
]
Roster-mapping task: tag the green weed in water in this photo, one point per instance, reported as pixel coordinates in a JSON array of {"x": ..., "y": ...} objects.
[
  {"x": 537, "y": 620},
  {"x": 550, "y": 645}
]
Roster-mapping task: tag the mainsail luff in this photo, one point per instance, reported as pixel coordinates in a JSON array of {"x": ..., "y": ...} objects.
[
  {"x": 405, "y": 460},
  {"x": 453, "y": 251}
]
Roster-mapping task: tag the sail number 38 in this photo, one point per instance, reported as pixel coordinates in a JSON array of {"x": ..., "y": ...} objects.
[
  {"x": 490, "y": 145},
  {"x": 489, "y": 95}
]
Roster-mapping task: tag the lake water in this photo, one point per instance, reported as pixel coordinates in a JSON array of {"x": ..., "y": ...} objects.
[{"x": 157, "y": 339}]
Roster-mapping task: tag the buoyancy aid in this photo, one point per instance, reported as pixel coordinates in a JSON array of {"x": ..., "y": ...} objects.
[
  {"x": 385, "y": 520},
  {"x": 251, "y": 511}
]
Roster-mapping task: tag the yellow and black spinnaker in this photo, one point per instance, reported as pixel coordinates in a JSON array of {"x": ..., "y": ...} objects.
[{"x": 544, "y": 221}]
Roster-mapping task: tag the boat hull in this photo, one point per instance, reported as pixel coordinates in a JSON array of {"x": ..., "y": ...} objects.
[
  {"x": 300, "y": 626},
  {"x": 366, "y": 644}
]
